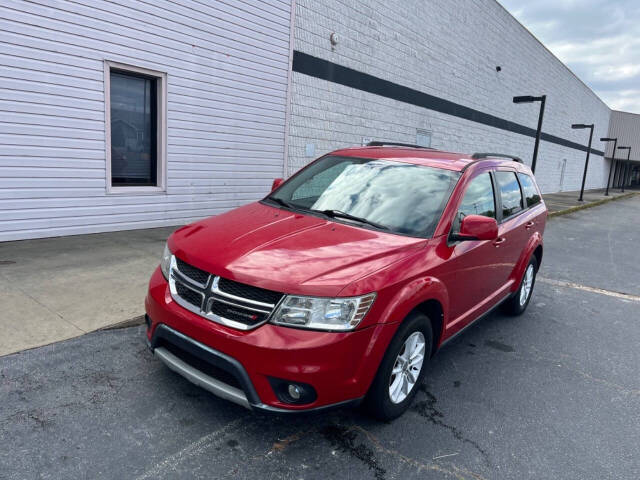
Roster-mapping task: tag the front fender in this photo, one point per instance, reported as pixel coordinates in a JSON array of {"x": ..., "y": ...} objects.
[
  {"x": 413, "y": 294},
  {"x": 534, "y": 241},
  {"x": 397, "y": 305}
]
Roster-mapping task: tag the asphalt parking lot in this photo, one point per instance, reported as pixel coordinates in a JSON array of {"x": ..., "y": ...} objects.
[{"x": 552, "y": 394}]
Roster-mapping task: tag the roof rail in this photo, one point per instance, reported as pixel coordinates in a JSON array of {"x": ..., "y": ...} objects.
[
  {"x": 395, "y": 144},
  {"x": 478, "y": 156}
]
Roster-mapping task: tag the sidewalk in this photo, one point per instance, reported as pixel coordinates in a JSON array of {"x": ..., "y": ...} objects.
[
  {"x": 566, "y": 202},
  {"x": 58, "y": 288}
]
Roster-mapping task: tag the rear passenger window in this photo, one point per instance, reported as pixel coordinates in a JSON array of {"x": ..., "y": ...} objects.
[
  {"x": 531, "y": 195},
  {"x": 477, "y": 200},
  {"x": 509, "y": 192}
]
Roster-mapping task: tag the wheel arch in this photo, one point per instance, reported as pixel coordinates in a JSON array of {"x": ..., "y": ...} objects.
[
  {"x": 432, "y": 308},
  {"x": 533, "y": 248},
  {"x": 538, "y": 254}
]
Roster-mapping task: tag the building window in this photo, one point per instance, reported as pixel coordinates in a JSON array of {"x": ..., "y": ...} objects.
[{"x": 136, "y": 116}]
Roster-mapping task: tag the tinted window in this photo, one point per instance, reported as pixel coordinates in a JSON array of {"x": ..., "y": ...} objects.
[
  {"x": 509, "y": 192},
  {"x": 403, "y": 197},
  {"x": 133, "y": 130},
  {"x": 529, "y": 190},
  {"x": 478, "y": 200}
]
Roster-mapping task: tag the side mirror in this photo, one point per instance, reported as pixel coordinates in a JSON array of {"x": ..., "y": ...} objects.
[
  {"x": 477, "y": 227},
  {"x": 276, "y": 183}
]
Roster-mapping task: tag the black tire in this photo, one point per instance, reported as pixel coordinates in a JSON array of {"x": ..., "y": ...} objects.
[
  {"x": 378, "y": 401},
  {"x": 513, "y": 306}
]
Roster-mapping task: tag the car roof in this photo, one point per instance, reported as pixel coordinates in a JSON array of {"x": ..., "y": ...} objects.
[{"x": 426, "y": 156}]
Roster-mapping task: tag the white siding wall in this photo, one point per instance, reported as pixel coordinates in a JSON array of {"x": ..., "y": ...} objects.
[
  {"x": 446, "y": 48},
  {"x": 227, "y": 65}
]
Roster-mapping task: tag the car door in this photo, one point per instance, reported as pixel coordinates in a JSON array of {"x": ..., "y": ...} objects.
[
  {"x": 474, "y": 271},
  {"x": 513, "y": 221}
]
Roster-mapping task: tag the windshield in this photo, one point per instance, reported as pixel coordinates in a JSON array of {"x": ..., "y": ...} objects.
[{"x": 399, "y": 197}]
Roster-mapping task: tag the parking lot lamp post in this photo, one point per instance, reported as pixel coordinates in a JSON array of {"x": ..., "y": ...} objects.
[
  {"x": 530, "y": 99},
  {"x": 624, "y": 168},
  {"x": 586, "y": 163},
  {"x": 613, "y": 160}
]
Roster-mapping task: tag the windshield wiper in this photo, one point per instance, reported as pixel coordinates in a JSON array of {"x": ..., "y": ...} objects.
[
  {"x": 284, "y": 203},
  {"x": 348, "y": 216}
]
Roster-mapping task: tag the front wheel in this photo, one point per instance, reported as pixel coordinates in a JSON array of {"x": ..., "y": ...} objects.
[
  {"x": 517, "y": 304},
  {"x": 402, "y": 369}
]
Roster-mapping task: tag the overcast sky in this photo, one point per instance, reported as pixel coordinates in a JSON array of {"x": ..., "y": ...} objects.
[{"x": 598, "y": 39}]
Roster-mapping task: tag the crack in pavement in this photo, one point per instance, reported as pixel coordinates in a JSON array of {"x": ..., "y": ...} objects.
[
  {"x": 427, "y": 409},
  {"x": 348, "y": 439},
  {"x": 455, "y": 471}
]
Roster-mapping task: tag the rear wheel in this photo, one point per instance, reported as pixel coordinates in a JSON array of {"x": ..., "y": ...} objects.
[
  {"x": 402, "y": 369},
  {"x": 517, "y": 304}
]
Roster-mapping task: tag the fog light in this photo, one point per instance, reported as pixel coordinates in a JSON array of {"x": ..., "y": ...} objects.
[{"x": 294, "y": 392}]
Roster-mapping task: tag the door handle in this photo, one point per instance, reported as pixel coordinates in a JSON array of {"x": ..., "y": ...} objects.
[
  {"x": 499, "y": 241},
  {"x": 528, "y": 225}
]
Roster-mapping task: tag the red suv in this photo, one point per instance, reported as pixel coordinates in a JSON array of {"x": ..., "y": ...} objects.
[{"x": 341, "y": 284}]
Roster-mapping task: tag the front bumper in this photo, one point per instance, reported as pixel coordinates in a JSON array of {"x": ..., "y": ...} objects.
[
  {"x": 245, "y": 396},
  {"x": 236, "y": 365}
]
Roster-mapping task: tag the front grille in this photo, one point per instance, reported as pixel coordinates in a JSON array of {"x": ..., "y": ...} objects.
[
  {"x": 221, "y": 300},
  {"x": 247, "y": 291},
  {"x": 189, "y": 295},
  {"x": 192, "y": 272},
  {"x": 237, "y": 314}
]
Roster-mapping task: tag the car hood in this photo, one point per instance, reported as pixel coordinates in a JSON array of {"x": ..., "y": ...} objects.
[{"x": 286, "y": 251}]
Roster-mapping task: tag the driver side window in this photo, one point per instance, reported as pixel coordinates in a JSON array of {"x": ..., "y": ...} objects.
[{"x": 479, "y": 199}]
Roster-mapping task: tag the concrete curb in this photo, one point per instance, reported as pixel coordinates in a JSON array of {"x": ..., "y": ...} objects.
[
  {"x": 131, "y": 322},
  {"x": 589, "y": 205}
]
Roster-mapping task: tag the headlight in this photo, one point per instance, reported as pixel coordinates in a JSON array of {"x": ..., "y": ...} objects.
[
  {"x": 165, "y": 263},
  {"x": 338, "y": 314}
]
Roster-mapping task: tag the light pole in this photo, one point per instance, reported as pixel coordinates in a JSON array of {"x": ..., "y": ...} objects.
[
  {"x": 530, "y": 99},
  {"x": 623, "y": 169},
  {"x": 586, "y": 163},
  {"x": 613, "y": 160}
]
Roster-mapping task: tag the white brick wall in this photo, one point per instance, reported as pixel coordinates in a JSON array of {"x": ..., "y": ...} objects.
[{"x": 447, "y": 48}]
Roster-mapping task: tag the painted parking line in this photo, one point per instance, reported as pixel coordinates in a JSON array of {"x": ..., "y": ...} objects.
[
  {"x": 577, "y": 286},
  {"x": 170, "y": 463}
]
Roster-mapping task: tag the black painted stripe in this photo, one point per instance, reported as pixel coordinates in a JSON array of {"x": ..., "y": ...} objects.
[{"x": 332, "y": 72}]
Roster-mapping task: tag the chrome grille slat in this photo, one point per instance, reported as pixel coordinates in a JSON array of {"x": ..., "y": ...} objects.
[
  {"x": 246, "y": 300},
  {"x": 189, "y": 282},
  {"x": 247, "y": 313},
  {"x": 191, "y": 273},
  {"x": 218, "y": 299}
]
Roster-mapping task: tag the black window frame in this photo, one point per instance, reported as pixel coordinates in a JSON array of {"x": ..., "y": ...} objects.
[
  {"x": 497, "y": 189},
  {"x": 154, "y": 129}
]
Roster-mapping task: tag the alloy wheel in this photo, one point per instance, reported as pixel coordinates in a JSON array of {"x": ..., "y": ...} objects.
[
  {"x": 407, "y": 366},
  {"x": 527, "y": 285}
]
